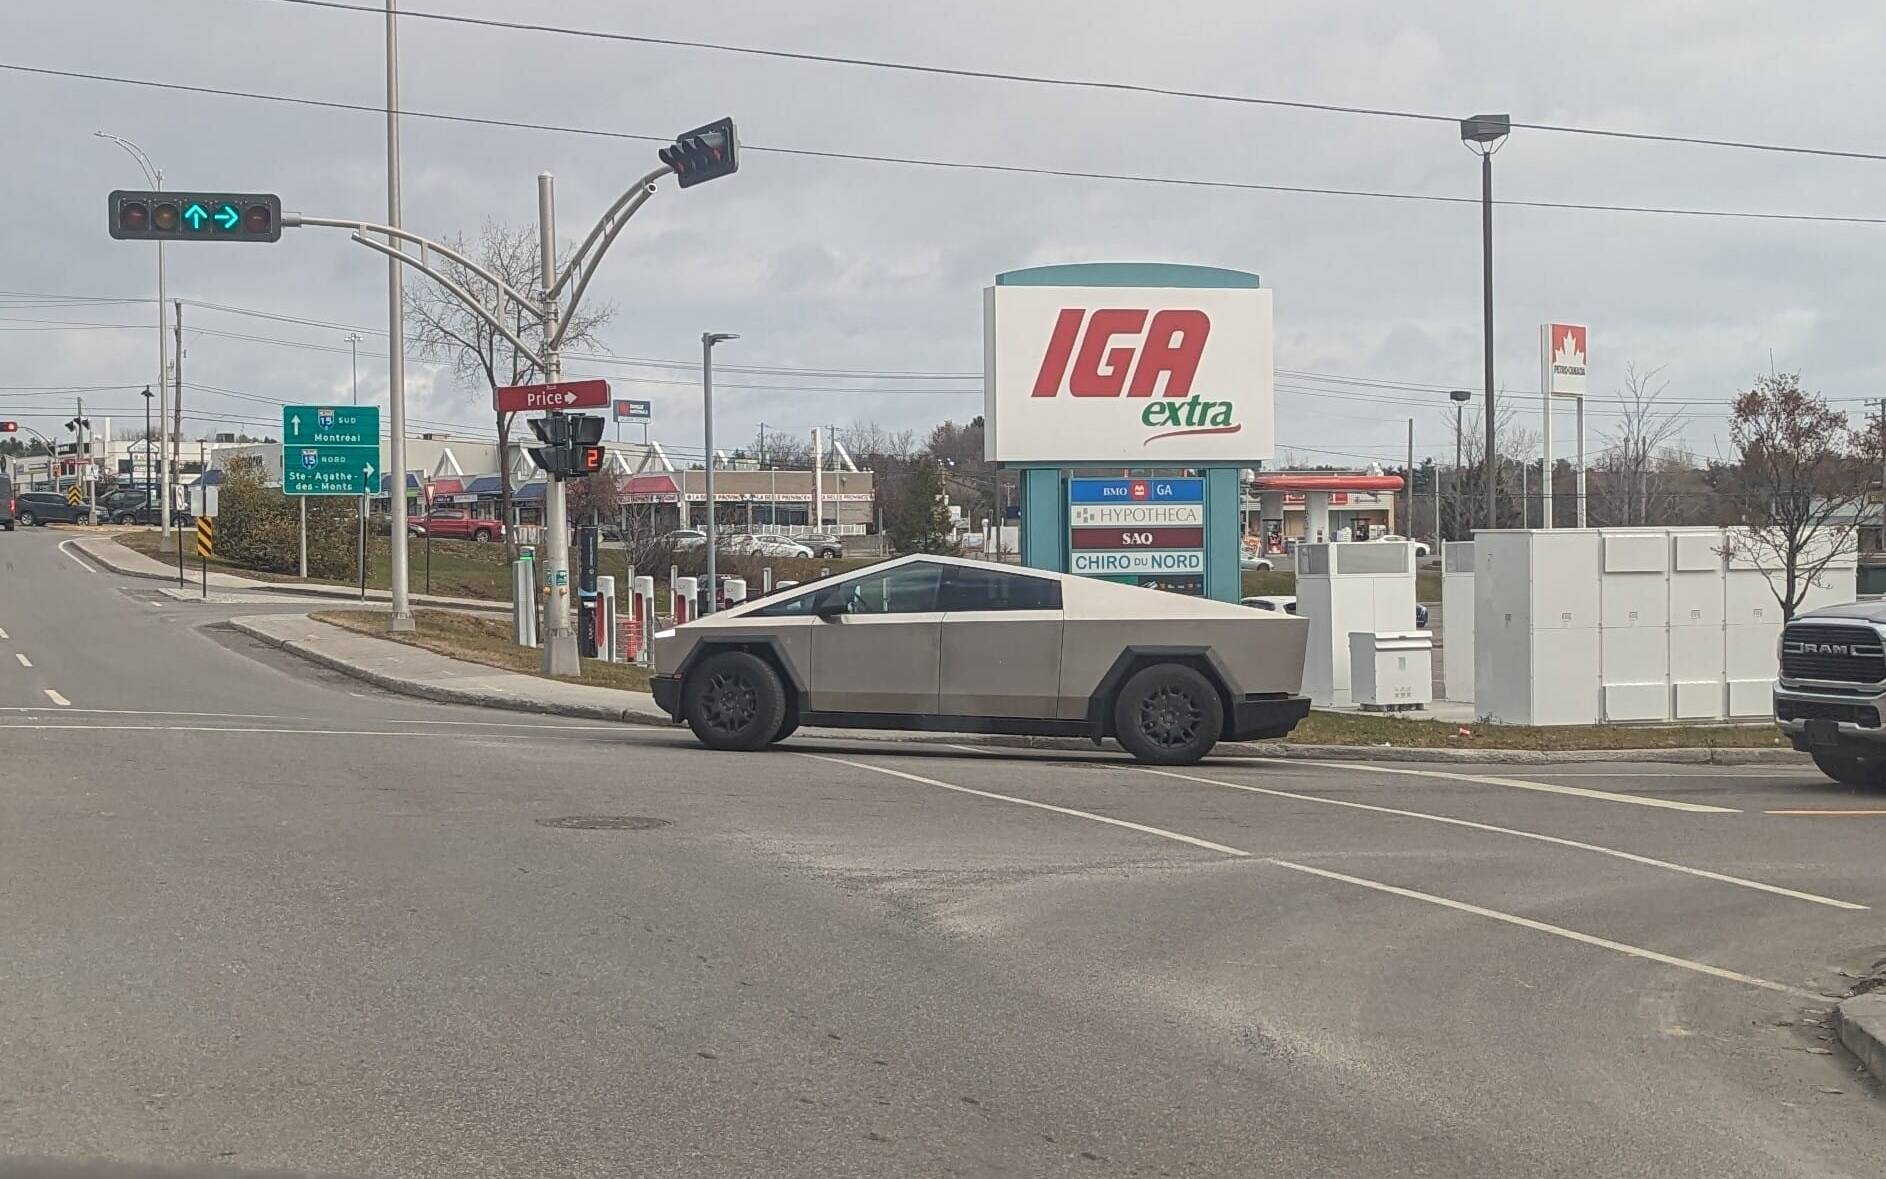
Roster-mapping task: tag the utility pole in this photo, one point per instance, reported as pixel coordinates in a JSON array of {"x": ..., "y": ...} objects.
[
  {"x": 360, "y": 552},
  {"x": 400, "y": 615},
  {"x": 1882, "y": 484},
  {"x": 818, "y": 481}
]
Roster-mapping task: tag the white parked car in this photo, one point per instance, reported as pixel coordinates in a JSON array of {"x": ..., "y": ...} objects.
[
  {"x": 1420, "y": 546},
  {"x": 765, "y": 545},
  {"x": 1251, "y": 561},
  {"x": 1274, "y": 603}
]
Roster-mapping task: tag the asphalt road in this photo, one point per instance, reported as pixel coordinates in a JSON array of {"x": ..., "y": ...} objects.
[{"x": 259, "y": 916}]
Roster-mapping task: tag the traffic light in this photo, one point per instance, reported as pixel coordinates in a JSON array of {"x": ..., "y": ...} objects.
[
  {"x": 703, "y": 154},
  {"x": 570, "y": 445},
  {"x": 9, "y": 427},
  {"x": 209, "y": 216}
]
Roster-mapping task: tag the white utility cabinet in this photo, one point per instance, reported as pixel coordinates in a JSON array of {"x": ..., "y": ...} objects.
[
  {"x": 1344, "y": 587},
  {"x": 1391, "y": 671},
  {"x": 1457, "y": 619}
]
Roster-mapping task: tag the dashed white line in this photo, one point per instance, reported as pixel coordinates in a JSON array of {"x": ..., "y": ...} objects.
[
  {"x": 1559, "y": 931},
  {"x": 24, "y": 661},
  {"x": 56, "y": 698},
  {"x": 1554, "y": 930},
  {"x": 3, "y": 633},
  {"x": 1042, "y": 806},
  {"x": 1580, "y": 845},
  {"x": 1668, "y": 804}
]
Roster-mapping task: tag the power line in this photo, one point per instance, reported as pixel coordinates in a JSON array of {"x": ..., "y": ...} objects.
[
  {"x": 958, "y": 165},
  {"x": 1072, "y": 83}
]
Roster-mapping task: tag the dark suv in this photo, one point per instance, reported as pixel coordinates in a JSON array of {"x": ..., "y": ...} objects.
[
  {"x": 48, "y": 507},
  {"x": 128, "y": 505}
]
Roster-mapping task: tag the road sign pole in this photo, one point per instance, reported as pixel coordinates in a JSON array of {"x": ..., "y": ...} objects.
[
  {"x": 559, "y": 637},
  {"x": 360, "y": 557},
  {"x": 303, "y": 501}
]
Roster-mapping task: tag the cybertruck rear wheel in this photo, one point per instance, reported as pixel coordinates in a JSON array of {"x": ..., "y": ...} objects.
[{"x": 1168, "y": 715}]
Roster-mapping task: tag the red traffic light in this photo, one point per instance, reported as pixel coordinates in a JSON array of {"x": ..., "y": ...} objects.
[
  {"x": 258, "y": 219},
  {"x": 9, "y": 427},
  {"x": 134, "y": 216}
]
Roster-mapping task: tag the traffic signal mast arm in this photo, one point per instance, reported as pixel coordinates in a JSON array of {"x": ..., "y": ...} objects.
[
  {"x": 610, "y": 223},
  {"x": 501, "y": 290}
]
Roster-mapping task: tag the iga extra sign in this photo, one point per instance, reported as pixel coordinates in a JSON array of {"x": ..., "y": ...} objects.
[{"x": 1137, "y": 375}]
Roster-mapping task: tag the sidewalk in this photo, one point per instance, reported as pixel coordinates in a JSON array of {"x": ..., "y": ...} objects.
[
  {"x": 131, "y": 563},
  {"x": 413, "y": 671}
]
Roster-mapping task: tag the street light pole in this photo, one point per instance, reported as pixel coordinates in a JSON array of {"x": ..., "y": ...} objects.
[
  {"x": 400, "y": 616},
  {"x": 1484, "y": 135},
  {"x": 708, "y": 340},
  {"x": 1460, "y": 398},
  {"x": 559, "y": 639},
  {"x": 155, "y": 175},
  {"x": 148, "y": 490}
]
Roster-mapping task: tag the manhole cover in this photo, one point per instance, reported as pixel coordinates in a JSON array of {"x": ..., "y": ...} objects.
[{"x": 604, "y": 823}]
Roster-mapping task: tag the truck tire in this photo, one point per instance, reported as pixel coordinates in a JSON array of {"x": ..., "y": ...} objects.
[
  {"x": 481, "y": 534},
  {"x": 1168, "y": 715},
  {"x": 1850, "y": 769},
  {"x": 735, "y": 701}
]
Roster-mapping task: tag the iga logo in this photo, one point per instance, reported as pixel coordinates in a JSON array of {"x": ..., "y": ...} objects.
[{"x": 1171, "y": 345}]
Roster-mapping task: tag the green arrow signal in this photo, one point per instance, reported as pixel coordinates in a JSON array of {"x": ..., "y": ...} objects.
[
  {"x": 227, "y": 217},
  {"x": 195, "y": 214}
]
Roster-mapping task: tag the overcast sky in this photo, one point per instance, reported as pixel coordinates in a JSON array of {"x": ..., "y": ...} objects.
[{"x": 877, "y": 268}]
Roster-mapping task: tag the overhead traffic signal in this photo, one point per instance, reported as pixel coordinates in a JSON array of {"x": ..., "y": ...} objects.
[
  {"x": 703, "y": 154},
  {"x": 213, "y": 216},
  {"x": 9, "y": 427}
]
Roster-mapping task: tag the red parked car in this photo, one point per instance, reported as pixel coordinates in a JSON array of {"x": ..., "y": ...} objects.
[{"x": 455, "y": 524}]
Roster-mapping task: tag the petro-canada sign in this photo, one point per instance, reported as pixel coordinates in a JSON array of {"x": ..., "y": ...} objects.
[{"x": 1136, "y": 375}]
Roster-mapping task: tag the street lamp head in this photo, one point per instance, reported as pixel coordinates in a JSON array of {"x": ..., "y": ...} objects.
[
  {"x": 712, "y": 338},
  {"x": 1460, "y": 394},
  {"x": 147, "y": 393},
  {"x": 1485, "y": 130}
]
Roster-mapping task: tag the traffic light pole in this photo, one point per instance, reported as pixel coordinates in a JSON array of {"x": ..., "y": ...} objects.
[
  {"x": 553, "y": 315},
  {"x": 559, "y": 637}
]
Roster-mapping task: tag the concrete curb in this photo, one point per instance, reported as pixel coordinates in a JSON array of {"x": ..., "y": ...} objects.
[
  {"x": 639, "y": 713},
  {"x": 99, "y": 549},
  {"x": 446, "y": 694},
  {"x": 1861, "y": 1024}
]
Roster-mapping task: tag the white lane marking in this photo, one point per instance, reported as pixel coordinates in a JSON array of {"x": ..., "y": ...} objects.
[
  {"x": 1554, "y": 930},
  {"x": 75, "y": 557},
  {"x": 93, "y": 728},
  {"x": 56, "y": 698},
  {"x": 3, "y": 633},
  {"x": 24, "y": 661},
  {"x": 1059, "y": 810},
  {"x": 1360, "y": 882},
  {"x": 1708, "y": 773},
  {"x": 1598, "y": 849},
  {"x": 1524, "y": 784},
  {"x": 153, "y": 712}
]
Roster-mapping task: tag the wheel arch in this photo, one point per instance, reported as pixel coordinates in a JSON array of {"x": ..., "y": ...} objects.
[
  {"x": 1131, "y": 660},
  {"x": 767, "y": 647}
]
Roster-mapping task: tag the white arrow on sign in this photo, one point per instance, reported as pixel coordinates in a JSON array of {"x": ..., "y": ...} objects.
[
  {"x": 367, "y": 470},
  {"x": 294, "y": 425},
  {"x": 569, "y": 398}
]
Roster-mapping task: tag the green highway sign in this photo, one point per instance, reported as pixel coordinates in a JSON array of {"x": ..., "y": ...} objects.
[
  {"x": 330, "y": 425},
  {"x": 330, "y": 450}
]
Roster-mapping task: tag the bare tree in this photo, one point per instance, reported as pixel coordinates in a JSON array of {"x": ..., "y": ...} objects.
[
  {"x": 1802, "y": 474},
  {"x": 444, "y": 329},
  {"x": 1518, "y": 452},
  {"x": 780, "y": 450},
  {"x": 1640, "y": 457}
]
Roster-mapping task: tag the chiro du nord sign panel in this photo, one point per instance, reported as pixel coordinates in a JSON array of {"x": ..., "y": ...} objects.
[
  {"x": 1135, "y": 375},
  {"x": 1136, "y": 527}
]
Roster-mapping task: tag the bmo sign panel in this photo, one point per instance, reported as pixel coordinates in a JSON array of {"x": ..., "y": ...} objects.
[{"x": 1134, "y": 376}]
